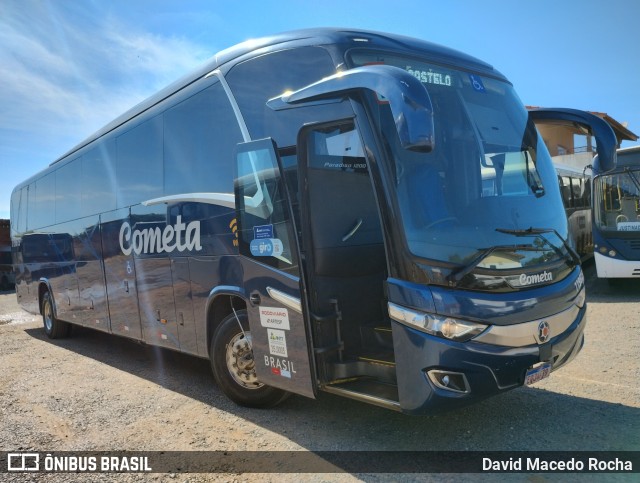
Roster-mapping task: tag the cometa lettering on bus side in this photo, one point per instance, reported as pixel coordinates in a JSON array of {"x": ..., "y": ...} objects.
[{"x": 155, "y": 240}]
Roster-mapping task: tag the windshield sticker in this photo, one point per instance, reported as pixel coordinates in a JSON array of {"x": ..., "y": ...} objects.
[
  {"x": 476, "y": 83},
  {"x": 266, "y": 247},
  {"x": 277, "y": 342},
  {"x": 274, "y": 318},
  {"x": 263, "y": 231},
  {"x": 430, "y": 77}
]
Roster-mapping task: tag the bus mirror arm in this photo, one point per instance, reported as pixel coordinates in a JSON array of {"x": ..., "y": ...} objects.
[
  {"x": 407, "y": 97},
  {"x": 606, "y": 141}
]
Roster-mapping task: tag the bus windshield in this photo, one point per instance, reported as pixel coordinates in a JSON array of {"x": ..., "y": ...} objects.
[
  {"x": 487, "y": 183},
  {"x": 617, "y": 201}
]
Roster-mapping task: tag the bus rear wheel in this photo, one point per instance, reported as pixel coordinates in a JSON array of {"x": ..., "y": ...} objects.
[
  {"x": 54, "y": 328},
  {"x": 234, "y": 367}
]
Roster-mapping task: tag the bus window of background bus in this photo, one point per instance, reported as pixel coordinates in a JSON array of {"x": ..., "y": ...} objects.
[{"x": 618, "y": 201}]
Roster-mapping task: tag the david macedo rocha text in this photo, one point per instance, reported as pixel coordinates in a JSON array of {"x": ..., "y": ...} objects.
[{"x": 569, "y": 465}]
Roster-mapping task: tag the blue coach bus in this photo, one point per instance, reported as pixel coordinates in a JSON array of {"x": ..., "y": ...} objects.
[
  {"x": 307, "y": 212},
  {"x": 616, "y": 217}
]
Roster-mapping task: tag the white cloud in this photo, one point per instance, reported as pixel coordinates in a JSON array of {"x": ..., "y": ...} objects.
[
  {"x": 66, "y": 74},
  {"x": 69, "y": 68}
]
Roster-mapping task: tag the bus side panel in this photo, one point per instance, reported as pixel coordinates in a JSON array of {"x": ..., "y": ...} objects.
[
  {"x": 215, "y": 264},
  {"x": 23, "y": 279},
  {"x": 184, "y": 305},
  {"x": 206, "y": 274},
  {"x": 49, "y": 257},
  {"x": 580, "y": 230},
  {"x": 156, "y": 302},
  {"x": 122, "y": 294},
  {"x": 56, "y": 251},
  {"x": 90, "y": 272}
]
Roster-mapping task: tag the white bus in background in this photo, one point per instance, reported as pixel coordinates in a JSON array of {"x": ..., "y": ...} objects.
[
  {"x": 575, "y": 189},
  {"x": 616, "y": 217}
]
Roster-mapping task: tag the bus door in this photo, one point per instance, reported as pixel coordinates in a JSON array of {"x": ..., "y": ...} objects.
[
  {"x": 345, "y": 261},
  {"x": 280, "y": 338},
  {"x": 120, "y": 276}
]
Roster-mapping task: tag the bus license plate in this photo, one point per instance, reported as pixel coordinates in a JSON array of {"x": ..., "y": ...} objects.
[{"x": 537, "y": 374}]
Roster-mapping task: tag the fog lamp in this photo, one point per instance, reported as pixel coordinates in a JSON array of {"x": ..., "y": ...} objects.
[{"x": 451, "y": 381}]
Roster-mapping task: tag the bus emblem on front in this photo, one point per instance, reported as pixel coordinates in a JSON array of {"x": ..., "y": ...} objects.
[{"x": 544, "y": 331}]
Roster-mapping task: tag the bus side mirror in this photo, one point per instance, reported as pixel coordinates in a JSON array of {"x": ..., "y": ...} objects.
[
  {"x": 606, "y": 142},
  {"x": 408, "y": 98}
]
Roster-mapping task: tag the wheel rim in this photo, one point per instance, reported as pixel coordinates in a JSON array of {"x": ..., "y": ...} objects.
[
  {"x": 48, "y": 316},
  {"x": 240, "y": 361}
]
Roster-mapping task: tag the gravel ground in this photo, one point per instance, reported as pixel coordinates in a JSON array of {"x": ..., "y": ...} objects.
[{"x": 98, "y": 392}]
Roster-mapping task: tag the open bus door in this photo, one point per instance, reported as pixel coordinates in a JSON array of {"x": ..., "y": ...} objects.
[
  {"x": 267, "y": 238},
  {"x": 280, "y": 338}
]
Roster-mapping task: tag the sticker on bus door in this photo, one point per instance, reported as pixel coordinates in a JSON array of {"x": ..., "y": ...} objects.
[
  {"x": 274, "y": 318},
  {"x": 277, "y": 342},
  {"x": 266, "y": 247}
]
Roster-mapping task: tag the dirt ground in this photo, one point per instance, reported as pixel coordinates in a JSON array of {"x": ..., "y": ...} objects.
[{"x": 99, "y": 392}]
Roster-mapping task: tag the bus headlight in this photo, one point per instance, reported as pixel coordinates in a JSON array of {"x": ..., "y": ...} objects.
[{"x": 446, "y": 327}]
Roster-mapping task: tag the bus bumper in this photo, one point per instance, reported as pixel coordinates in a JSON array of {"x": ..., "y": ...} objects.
[
  {"x": 477, "y": 370},
  {"x": 607, "y": 267}
]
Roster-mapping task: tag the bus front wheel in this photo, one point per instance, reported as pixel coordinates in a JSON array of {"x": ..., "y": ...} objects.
[
  {"x": 54, "y": 328},
  {"x": 234, "y": 367}
]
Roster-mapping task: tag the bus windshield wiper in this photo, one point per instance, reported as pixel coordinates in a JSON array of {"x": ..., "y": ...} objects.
[
  {"x": 457, "y": 275},
  {"x": 540, "y": 231}
]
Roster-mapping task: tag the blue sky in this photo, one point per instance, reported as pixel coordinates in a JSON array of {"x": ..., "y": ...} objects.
[{"x": 68, "y": 67}]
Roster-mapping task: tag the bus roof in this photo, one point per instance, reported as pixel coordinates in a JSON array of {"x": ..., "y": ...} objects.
[
  {"x": 628, "y": 157},
  {"x": 345, "y": 38}
]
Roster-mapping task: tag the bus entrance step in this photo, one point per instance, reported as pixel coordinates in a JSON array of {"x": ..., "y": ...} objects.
[
  {"x": 384, "y": 358},
  {"x": 377, "y": 335},
  {"x": 367, "y": 390},
  {"x": 379, "y": 367}
]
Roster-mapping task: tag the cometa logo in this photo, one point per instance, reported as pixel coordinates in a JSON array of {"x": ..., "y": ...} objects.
[
  {"x": 537, "y": 278},
  {"x": 179, "y": 237}
]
